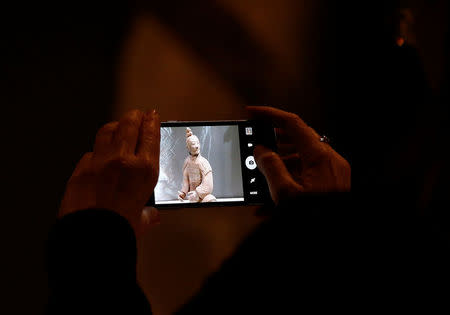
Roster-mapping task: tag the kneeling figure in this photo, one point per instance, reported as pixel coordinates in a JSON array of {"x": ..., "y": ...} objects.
[{"x": 197, "y": 173}]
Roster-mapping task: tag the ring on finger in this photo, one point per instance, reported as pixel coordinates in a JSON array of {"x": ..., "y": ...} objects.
[{"x": 324, "y": 139}]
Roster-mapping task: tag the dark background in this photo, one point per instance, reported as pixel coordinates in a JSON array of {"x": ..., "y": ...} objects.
[{"x": 69, "y": 68}]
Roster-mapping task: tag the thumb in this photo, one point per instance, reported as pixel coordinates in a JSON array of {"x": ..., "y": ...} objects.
[
  {"x": 281, "y": 184},
  {"x": 149, "y": 217}
]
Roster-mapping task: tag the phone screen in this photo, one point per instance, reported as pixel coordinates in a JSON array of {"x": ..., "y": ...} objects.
[{"x": 210, "y": 164}]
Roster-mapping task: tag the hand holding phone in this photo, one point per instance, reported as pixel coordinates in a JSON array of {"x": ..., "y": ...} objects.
[
  {"x": 121, "y": 172},
  {"x": 304, "y": 163}
]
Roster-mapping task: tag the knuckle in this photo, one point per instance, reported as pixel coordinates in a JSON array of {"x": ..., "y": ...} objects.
[
  {"x": 87, "y": 156},
  {"x": 345, "y": 165},
  {"x": 323, "y": 155},
  {"x": 148, "y": 165},
  {"x": 107, "y": 127},
  {"x": 294, "y": 118},
  {"x": 82, "y": 176},
  {"x": 266, "y": 157},
  {"x": 75, "y": 178},
  {"x": 100, "y": 132},
  {"x": 134, "y": 112},
  {"x": 129, "y": 122},
  {"x": 296, "y": 124},
  {"x": 104, "y": 133},
  {"x": 120, "y": 162},
  {"x": 311, "y": 131},
  {"x": 320, "y": 156},
  {"x": 132, "y": 117},
  {"x": 332, "y": 156},
  {"x": 346, "y": 169}
]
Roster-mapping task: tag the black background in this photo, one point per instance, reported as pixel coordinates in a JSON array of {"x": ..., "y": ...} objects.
[{"x": 58, "y": 87}]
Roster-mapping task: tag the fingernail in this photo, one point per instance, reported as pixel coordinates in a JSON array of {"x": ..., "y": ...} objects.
[{"x": 154, "y": 115}]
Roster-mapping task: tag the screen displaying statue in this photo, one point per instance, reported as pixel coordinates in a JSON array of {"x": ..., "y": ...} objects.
[{"x": 199, "y": 164}]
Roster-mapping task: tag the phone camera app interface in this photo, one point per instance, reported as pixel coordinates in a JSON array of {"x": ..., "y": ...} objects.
[{"x": 200, "y": 164}]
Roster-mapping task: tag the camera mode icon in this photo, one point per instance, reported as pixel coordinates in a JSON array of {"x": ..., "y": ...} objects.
[{"x": 250, "y": 162}]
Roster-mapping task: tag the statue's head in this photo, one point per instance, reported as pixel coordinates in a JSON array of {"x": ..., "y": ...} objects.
[{"x": 192, "y": 142}]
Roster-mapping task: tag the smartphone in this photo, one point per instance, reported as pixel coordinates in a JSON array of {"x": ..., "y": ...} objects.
[{"x": 211, "y": 163}]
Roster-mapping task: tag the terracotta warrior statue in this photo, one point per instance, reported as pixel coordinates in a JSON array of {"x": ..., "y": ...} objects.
[{"x": 197, "y": 173}]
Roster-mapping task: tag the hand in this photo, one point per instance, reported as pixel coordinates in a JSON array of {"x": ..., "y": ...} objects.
[
  {"x": 193, "y": 196},
  {"x": 305, "y": 164},
  {"x": 181, "y": 195},
  {"x": 121, "y": 172}
]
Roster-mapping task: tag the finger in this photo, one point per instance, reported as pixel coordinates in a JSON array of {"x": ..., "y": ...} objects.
[
  {"x": 286, "y": 149},
  {"x": 82, "y": 164},
  {"x": 291, "y": 158},
  {"x": 282, "y": 136},
  {"x": 149, "y": 137},
  {"x": 71, "y": 200},
  {"x": 288, "y": 122},
  {"x": 150, "y": 216},
  {"x": 279, "y": 118},
  {"x": 126, "y": 136},
  {"x": 304, "y": 138},
  {"x": 104, "y": 138},
  {"x": 280, "y": 181}
]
